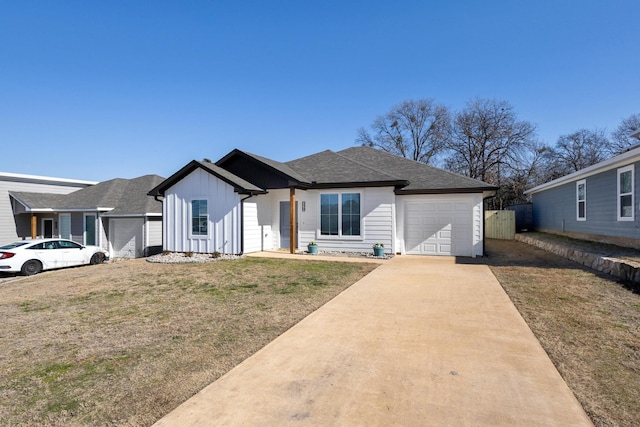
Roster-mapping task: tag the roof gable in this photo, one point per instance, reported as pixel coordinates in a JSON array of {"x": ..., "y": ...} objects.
[
  {"x": 240, "y": 185},
  {"x": 261, "y": 171}
]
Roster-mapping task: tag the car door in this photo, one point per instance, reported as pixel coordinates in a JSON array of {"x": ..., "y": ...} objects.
[
  {"x": 47, "y": 253},
  {"x": 72, "y": 253}
]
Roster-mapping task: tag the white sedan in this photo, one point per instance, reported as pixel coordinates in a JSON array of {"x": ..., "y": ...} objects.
[{"x": 32, "y": 256}]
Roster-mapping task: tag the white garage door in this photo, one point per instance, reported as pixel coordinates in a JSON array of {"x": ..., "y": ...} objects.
[
  {"x": 438, "y": 228},
  {"x": 126, "y": 237}
]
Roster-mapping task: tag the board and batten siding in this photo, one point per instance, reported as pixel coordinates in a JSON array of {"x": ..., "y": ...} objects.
[
  {"x": 223, "y": 205},
  {"x": 377, "y": 220},
  {"x": 257, "y": 233},
  {"x": 554, "y": 209}
]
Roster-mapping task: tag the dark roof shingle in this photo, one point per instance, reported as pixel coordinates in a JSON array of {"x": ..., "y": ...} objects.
[
  {"x": 421, "y": 177},
  {"x": 119, "y": 196}
]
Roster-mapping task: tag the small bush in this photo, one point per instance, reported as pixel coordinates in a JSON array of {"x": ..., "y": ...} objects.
[
  {"x": 216, "y": 254},
  {"x": 188, "y": 254}
]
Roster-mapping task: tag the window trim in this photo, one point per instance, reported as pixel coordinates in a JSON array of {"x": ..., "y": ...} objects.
[
  {"x": 582, "y": 182},
  {"x": 64, "y": 217},
  {"x": 339, "y": 236},
  {"x": 96, "y": 229},
  {"x": 191, "y": 234},
  {"x": 625, "y": 169}
]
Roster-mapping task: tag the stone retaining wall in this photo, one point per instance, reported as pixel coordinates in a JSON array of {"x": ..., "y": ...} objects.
[{"x": 625, "y": 270}]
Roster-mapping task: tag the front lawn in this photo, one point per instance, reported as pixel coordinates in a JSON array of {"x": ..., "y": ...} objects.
[
  {"x": 587, "y": 322},
  {"x": 125, "y": 343}
]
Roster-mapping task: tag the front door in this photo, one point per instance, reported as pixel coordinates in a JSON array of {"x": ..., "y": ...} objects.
[
  {"x": 47, "y": 228},
  {"x": 285, "y": 235}
]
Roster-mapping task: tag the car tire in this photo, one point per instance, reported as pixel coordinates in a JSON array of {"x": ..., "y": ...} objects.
[
  {"x": 97, "y": 258},
  {"x": 31, "y": 267}
]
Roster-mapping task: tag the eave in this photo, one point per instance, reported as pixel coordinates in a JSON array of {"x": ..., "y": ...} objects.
[
  {"x": 325, "y": 185},
  {"x": 623, "y": 159},
  {"x": 401, "y": 192}
]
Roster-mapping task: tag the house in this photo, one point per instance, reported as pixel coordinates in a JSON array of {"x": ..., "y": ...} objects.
[
  {"x": 343, "y": 201},
  {"x": 117, "y": 215},
  {"x": 31, "y": 183},
  {"x": 598, "y": 203}
]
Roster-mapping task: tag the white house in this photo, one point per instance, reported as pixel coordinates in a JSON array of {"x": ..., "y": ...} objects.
[{"x": 343, "y": 201}]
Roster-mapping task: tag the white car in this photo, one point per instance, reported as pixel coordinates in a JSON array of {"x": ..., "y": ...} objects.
[{"x": 32, "y": 256}]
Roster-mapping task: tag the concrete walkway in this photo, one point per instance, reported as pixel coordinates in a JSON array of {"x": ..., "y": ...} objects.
[{"x": 419, "y": 341}]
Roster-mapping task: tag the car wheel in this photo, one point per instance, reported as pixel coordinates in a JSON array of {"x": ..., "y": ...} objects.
[
  {"x": 31, "y": 267},
  {"x": 97, "y": 258}
]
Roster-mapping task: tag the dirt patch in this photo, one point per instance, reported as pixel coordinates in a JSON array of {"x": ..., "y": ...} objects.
[
  {"x": 124, "y": 343},
  {"x": 588, "y": 323}
]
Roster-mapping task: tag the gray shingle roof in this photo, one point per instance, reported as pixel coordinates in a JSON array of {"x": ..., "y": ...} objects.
[
  {"x": 366, "y": 166},
  {"x": 122, "y": 196},
  {"x": 421, "y": 177},
  {"x": 328, "y": 167}
]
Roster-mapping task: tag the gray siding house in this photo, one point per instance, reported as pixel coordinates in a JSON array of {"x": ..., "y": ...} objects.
[
  {"x": 9, "y": 223},
  {"x": 598, "y": 203},
  {"x": 117, "y": 215},
  {"x": 344, "y": 201}
]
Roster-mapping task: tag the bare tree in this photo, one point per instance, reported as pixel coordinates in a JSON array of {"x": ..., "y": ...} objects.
[
  {"x": 487, "y": 140},
  {"x": 621, "y": 139},
  {"x": 576, "y": 151},
  {"x": 416, "y": 129}
]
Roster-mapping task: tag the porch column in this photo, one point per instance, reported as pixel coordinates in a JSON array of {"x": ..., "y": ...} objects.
[
  {"x": 34, "y": 226},
  {"x": 292, "y": 222}
]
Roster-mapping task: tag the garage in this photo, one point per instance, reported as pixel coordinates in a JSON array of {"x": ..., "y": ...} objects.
[
  {"x": 439, "y": 226},
  {"x": 126, "y": 237}
]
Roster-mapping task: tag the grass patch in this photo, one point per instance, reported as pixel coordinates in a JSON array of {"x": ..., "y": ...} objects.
[
  {"x": 587, "y": 322},
  {"x": 125, "y": 343}
]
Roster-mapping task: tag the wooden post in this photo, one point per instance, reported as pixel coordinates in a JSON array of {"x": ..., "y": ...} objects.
[
  {"x": 292, "y": 221},
  {"x": 34, "y": 226}
]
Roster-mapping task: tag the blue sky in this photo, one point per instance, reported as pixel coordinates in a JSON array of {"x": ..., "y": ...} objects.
[{"x": 98, "y": 90}]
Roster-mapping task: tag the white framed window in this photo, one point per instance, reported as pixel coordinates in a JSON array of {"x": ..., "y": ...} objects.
[
  {"x": 625, "y": 194},
  {"x": 199, "y": 218},
  {"x": 581, "y": 200},
  {"x": 340, "y": 214},
  {"x": 64, "y": 225}
]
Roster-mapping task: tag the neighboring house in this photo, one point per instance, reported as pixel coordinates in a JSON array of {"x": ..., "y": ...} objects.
[
  {"x": 600, "y": 202},
  {"x": 31, "y": 183},
  {"x": 117, "y": 215},
  {"x": 344, "y": 201}
]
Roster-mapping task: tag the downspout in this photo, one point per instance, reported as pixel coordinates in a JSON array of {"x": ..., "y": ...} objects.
[
  {"x": 242, "y": 223},
  {"x": 163, "y": 218}
]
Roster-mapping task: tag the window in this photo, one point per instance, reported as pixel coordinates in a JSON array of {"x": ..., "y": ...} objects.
[
  {"x": 340, "y": 214},
  {"x": 625, "y": 194},
  {"x": 199, "y": 218},
  {"x": 65, "y": 225},
  {"x": 581, "y": 200},
  {"x": 63, "y": 244}
]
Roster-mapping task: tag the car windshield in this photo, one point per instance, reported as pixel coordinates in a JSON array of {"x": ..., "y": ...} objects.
[{"x": 13, "y": 245}]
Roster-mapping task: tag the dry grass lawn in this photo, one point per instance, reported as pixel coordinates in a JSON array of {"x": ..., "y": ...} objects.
[
  {"x": 588, "y": 323},
  {"x": 124, "y": 343}
]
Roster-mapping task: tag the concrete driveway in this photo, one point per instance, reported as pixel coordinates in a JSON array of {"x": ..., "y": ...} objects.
[{"x": 419, "y": 341}]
